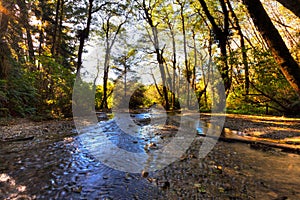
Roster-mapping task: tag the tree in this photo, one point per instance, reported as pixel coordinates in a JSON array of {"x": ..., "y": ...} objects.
[
  {"x": 167, "y": 18},
  {"x": 292, "y": 5},
  {"x": 285, "y": 61},
  {"x": 110, "y": 31},
  {"x": 124, "y": 64},
  {"x": 25, "y": 21},
  {"x": 186, "y": 62},
  {"x": 243, "y": 46},
  {"x": 4, "y": 49},
  {"x": 221, "y": 35},
  {"x": 148, "y": 15},
  {"x": 84, "y": 35}
]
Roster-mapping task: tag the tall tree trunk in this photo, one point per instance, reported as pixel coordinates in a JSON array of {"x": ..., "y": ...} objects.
[
  {"x": 3, "y": 45},
  {"x": 283, "y": 57},
  {"x": 41, "y": 32},
  {"x": 57, "y": 12},
  {"x": 160, "y": 60},
  {"x": 60, "y": 28},
  {"x": 292, "y": 5},
  {"x": 242, "y": 41},
  {"x": 57, "y": 32},
  {"x": 24, "y": 19},
  {"x": 41, "y": 42},
  {"x": 30, "y": 44},
  {"x": 221, "y": 36},
  {"x": 174, "y": 61},
  {"x": 108, "y": 47},
  {"x": 158, "y": 51},
  {"x": 195, "y": 62},
  {"x": 83, "y": 35},
  {"x": 186, "y": 63},
  {"x": 104, "y": 104},
  {"x": 125, "y": 83},
  {"x": 97, "y": 76}
]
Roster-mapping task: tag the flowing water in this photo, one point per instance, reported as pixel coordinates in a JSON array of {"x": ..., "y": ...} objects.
[{"x": 67, "y": 169}]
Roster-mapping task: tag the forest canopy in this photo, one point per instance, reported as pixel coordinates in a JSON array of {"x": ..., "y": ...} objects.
[{"x": 253, "y": 45}]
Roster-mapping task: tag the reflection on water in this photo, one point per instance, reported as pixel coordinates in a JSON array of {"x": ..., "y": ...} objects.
[
  {"x": 276, "y": 174},
  {"x": 138, "y": 142},
  {"x": 64, "y": 170},
  {"x": 68, "y": 169}
]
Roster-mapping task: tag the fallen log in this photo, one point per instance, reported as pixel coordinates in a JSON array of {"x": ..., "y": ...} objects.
[{"x": 255, "y": 142}]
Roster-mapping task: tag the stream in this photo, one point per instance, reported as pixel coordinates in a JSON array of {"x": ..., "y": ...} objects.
[{"x": 67, "y": 169}]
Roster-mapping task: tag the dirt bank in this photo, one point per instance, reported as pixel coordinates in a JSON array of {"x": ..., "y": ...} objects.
[{"x": 20, "y": 128}]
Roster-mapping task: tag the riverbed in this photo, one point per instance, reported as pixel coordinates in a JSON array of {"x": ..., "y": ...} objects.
[{"x": 66, "y": 168}]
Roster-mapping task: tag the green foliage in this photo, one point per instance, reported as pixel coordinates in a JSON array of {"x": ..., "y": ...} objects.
[
  {"x": 139, "y": 99},
  {"x": 37, "y": 79},
  {"x": 268, "y": 88},
  {"x": 18, "y": 94},
  {"x": 153, "y": 96},
  {"x": 238, "y": 103},
  {"x": 99, "y": 96},
  {"x": 55, "y": 83},
  {"x": 44, "y": 93},
  {"x": 83, "y": 97}
]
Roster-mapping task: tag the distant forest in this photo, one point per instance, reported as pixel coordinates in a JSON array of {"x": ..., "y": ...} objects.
[{"x": 253, "y": 45}]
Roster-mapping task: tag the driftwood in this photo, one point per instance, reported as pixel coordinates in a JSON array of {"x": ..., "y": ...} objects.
[
  {"x": 257, "y": 143},
  {"x": 260, "y": 144}
]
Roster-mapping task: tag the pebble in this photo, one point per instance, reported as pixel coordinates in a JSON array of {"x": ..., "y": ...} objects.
[{"x": 145, "y": 174}]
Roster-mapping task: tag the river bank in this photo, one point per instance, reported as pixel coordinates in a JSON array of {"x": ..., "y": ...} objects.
[{"x": 52, "y": 163}]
